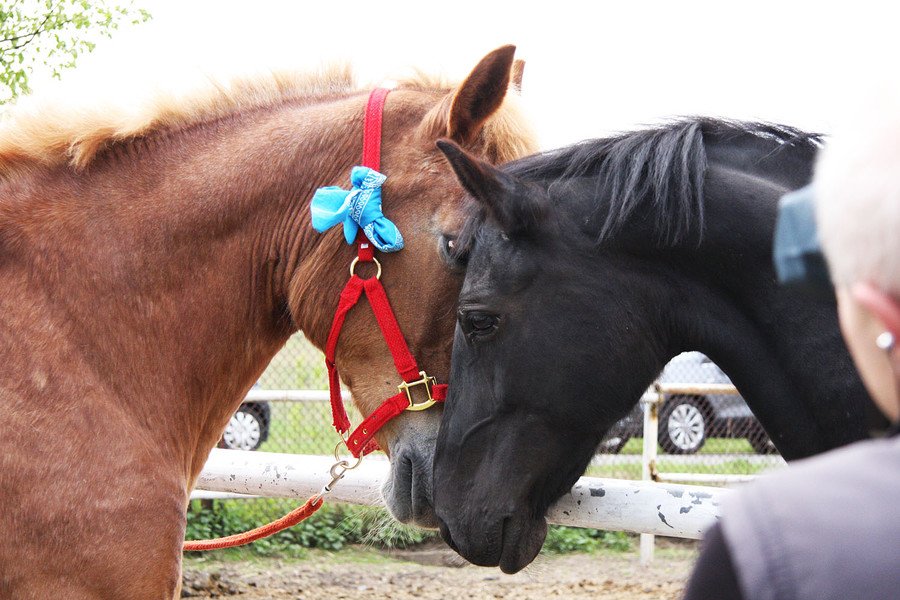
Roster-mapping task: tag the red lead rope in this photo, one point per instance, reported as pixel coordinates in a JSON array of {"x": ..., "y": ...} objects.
[{"x": 361, "y": 441}]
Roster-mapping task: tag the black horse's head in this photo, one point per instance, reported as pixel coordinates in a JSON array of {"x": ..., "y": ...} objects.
[
  {"x": 587, "y": 268},
  {"x": 528, "y": 423}
]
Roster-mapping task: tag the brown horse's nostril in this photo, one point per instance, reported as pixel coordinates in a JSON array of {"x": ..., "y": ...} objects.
[{"x": 408, "y": 491}]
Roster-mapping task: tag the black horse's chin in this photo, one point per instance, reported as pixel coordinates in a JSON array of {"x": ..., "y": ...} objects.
[{"x": 520, "y": 541}]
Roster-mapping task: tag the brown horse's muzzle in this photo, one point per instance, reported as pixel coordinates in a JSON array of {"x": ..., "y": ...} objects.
[{"x": 409, "y": 491}]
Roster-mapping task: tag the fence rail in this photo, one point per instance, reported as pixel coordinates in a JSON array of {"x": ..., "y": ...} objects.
[
  {"x": 612, "y": 504},
  {"x": 257, "y": 395}
]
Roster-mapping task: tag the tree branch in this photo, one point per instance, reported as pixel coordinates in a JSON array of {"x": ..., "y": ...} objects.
[{"x": 38, "y": 31}]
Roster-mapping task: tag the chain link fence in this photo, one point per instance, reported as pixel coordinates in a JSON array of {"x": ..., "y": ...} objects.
[{"x": 698, "y": 433}]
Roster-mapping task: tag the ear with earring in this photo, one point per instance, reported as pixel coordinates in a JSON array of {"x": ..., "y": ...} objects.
[{"x": 886, "y": 341}]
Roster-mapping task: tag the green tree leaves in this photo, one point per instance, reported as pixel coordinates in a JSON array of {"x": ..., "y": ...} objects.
[{"x": 53, "y": 33}]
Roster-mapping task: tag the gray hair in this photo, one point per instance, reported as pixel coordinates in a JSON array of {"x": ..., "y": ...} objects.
[{"x": 857, "y": 185}]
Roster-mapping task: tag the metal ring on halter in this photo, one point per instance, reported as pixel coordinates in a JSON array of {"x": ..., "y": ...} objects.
[
  {"x": 374, "y": 260},
  {"x": 337, "y": 471},
  {"x": 338, "y": 458}
]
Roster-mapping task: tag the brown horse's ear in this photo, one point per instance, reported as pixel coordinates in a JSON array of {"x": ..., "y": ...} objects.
[
  {"x": 518, "y": 69},
  {"x": 518, "y": 208},
  {"x": 480, "y": 95}
]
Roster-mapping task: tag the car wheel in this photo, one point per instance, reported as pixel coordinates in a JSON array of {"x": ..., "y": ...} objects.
[
  {"x": 612, "y": 445},
  {"x": 682, "y": 425},
  {"x": 244, "y": 430},
  {"x": 761, "y": 442}
]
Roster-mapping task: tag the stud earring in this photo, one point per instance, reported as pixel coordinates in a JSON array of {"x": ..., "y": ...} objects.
[{"x": 885, "y": 341}]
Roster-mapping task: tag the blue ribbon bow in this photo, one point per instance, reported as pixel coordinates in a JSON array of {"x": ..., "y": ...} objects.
[{"x": 359, "y": 207}]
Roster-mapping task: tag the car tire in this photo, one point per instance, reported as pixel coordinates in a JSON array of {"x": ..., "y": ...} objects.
[
  {"x": 246, "y": 430},
  {"x": 612, "y": 444},
  {"x": 683, "y": 424}
]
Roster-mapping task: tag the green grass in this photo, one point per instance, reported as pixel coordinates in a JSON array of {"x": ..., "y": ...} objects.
[
  {"x": 712, "y": 446},
  {"x": 299, "y": 366},
  {"x": 727, "y": 446},
  {"x": 338, "y": 527},
  {"x": 332, "y": 527},
  {"x": 563, "y": 540},
  {"x": 667, "y": 463},
  {"x": 737, "y": 466},
  {"x": 303, "y": 428}
]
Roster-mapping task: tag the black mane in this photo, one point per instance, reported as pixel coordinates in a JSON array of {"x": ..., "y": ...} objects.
[{"x": 658, "y": 172}]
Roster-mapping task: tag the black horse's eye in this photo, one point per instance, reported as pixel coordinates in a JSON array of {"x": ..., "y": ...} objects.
[
  {"x": 479, "y": 324},
  {"x": 451, "y": 253}
]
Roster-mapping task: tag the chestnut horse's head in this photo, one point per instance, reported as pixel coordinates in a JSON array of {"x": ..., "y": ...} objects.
[{"x": 422, "y": 197}]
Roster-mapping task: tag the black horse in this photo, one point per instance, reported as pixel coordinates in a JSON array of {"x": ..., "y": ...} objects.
[{"x": 587, "y": 269}]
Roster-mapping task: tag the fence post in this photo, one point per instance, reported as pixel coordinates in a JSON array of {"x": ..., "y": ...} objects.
[{"x": 650, "y": 403}]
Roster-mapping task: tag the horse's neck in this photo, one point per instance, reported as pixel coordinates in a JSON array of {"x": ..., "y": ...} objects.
[
  {"x": 172, "y": 270},
  {"x": 789, "y": 164},
  {"x": 784, "y": 351}
]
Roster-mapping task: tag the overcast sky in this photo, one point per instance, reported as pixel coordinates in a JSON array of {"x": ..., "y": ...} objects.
[{"x": 591, "y": 67}]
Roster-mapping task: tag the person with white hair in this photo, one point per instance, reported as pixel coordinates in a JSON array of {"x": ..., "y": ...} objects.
[{"x": 828, "y": 527}]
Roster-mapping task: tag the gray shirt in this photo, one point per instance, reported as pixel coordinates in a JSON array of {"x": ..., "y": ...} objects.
[{"x": 827, "y": 527}]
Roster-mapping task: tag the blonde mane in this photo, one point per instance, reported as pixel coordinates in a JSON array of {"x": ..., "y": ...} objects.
[
  {"x": 506, "y": 136},
  {"x": 51, "y": 132}
]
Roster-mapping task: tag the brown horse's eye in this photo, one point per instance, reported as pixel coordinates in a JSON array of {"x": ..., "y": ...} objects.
[{"x": 451, "y": 252}]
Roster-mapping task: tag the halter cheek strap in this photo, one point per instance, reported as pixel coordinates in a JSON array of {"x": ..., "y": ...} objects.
[
  {"x": 371, "y": 156},
  {"x": 361, "y": 440}
]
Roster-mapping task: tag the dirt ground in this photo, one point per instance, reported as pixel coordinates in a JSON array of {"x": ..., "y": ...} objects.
[{"x": 432, "y": 573}]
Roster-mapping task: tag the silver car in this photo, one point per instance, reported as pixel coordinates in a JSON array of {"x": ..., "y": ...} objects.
[{"x": 686, "y": 421}]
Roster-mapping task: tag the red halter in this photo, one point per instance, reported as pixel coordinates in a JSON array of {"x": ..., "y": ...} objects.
[{"x": 361, "y": 441}]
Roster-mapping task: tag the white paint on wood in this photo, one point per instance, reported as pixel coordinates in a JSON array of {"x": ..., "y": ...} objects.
[{"x": 600, "y": 503}]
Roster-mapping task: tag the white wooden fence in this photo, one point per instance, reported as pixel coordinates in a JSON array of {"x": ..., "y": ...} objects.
[
  {"x": 649, "y": 507},
  {"x": 610, "y": 504}
]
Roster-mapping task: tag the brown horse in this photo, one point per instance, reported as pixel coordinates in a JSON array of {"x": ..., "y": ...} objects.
[{"x": 151, "y": 266}]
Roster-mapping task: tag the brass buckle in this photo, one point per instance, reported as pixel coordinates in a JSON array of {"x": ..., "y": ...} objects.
[{"x": 427, "y": 382}]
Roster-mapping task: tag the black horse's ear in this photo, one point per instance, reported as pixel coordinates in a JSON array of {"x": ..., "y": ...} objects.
[{"x": 518, "y": 208}]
